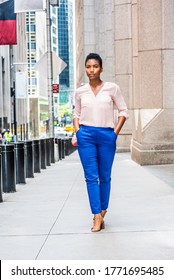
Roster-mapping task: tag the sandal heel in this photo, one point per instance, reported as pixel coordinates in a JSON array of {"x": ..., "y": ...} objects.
[
  {"x": 103, "y": 225},
  {"x": 98, "y": 223}
]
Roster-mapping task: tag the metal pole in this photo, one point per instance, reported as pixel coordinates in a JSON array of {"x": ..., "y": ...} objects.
[
  {"x": 50, "y": 70},
  {"x": 13, "y": 95},
  {"x": 14, "y": 109}
]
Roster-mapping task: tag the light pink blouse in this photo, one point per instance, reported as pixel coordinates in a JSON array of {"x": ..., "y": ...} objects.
[{"x": 98, "y": 110}]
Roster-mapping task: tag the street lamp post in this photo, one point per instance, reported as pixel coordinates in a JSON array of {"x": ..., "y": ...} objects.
[
  {"x": 50, "y": 70},
  {"x": 13, "y": 94},
  {"x": 54, "y": 3}
]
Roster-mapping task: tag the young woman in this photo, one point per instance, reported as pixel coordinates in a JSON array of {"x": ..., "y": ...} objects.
[{"x": 96, "y": 134}]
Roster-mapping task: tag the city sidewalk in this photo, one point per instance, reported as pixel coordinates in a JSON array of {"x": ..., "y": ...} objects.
[{"x": 49, "y": 217}]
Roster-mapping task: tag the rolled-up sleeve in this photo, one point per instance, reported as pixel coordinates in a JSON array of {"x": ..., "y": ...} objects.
[
  {"x": 77, "y": 109},
  {"x": 120, "y": 104}
]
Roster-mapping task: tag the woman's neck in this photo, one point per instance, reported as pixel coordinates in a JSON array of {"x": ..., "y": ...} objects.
[{"x": 95, "y": 83}]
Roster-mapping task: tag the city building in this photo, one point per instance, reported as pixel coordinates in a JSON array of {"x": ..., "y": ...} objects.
[
  {"x": 13, "y": 60},
  {"x": 66, "y": 53},
  {"x": 33, "y": 55},
  {"x": 136, "y": 40},
  {"x": 37, "y": 80}
]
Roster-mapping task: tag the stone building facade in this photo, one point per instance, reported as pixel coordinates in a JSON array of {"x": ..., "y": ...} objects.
[
  {"x": 136, "y": 40},
  {"x": 13, "y": 59}
]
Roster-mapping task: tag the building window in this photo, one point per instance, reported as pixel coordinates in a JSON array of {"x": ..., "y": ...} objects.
[
  {"x": 32, "y": 27},
  {"x": 34, "y": 81},
  {"x": 54, "y": 30},
  {"x": 54, "y": 40},
  {"x": 54, "y": 20},
  {"x": 33, "y": 46}
]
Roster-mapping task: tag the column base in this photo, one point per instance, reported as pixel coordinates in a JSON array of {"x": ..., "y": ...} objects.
[
  {"x": 152, "y": 154},
  {"x": 123, "y": 143}
]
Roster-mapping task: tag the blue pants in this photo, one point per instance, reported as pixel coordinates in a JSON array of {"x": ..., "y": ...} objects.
[{"x": 96, "y": 148}]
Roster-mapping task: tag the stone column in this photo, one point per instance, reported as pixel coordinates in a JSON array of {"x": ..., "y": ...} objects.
[
  {"x": 79, "y": 28},
  {"x": 99, "y": 35},
  {"x": 153, "y": 81},
  {"x": 123, "y": 64},
  {"x": 104, "y": 13}
]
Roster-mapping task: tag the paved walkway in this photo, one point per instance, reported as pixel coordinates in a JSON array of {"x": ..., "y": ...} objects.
[{"x": 49, "y": 217}]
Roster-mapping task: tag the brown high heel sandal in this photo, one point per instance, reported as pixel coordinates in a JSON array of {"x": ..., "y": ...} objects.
[
  {"x": 103, "y": 213},
  {"x": 98, "y": 223}
]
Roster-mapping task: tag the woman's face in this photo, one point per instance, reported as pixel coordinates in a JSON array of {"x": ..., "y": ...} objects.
[{"x": 93, "y": 69}]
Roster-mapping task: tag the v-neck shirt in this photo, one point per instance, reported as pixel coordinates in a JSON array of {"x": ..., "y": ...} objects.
[
  {"x": 98, "y": 89},
  {"x": 98, "y": 110}
]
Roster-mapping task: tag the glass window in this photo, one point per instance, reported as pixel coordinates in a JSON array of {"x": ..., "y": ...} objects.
[
  {"x": 34, "y": 81},
  {"x": 54, "y": 40},
  {"x": 33, "y": 63},
  {"x": 54, "y": 30},
  {"x": 33, "y": 46},
  {"x": 54, "y": 20},
  {"x": 33, "y": 27}
]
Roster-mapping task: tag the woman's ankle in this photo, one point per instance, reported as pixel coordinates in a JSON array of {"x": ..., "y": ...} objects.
[{"x": 103, "y": 213}]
